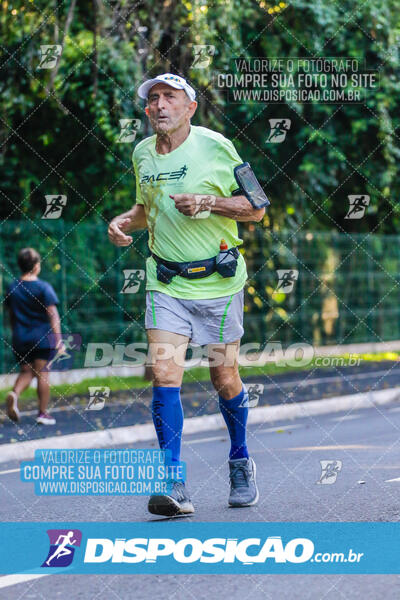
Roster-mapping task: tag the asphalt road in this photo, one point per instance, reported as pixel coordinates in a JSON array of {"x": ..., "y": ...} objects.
[
  {"x": 287, "y": 455},
  {"x": 131, "y": 407}
]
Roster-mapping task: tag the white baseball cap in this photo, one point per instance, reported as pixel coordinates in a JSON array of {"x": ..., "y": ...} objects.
[{"x": 170, "y": 79}]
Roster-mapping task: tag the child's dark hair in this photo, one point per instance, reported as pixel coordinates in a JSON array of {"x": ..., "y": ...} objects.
[{"x": 27, "y": 259}]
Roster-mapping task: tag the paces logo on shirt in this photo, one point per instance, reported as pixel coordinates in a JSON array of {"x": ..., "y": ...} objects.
[{"x": 166, "y": 176}]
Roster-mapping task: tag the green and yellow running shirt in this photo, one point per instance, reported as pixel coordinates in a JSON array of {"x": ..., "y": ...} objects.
[{"x": 202, "y": 164}]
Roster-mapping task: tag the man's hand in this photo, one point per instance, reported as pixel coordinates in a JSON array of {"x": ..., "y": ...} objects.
[
  {"x": 117, "y": 229},
  {"x": 185, "y": 203},
  {"x": 192, "y": 204},
  {"x": 130, "y": 221}
]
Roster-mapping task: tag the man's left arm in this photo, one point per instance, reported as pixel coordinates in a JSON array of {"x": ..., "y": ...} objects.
[
  {"x": 237, "y": 208},
  {"x": 223, "y": 203}
]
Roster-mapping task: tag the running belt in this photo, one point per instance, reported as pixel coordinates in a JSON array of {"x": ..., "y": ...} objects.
[{"x": 195, "y": 269}]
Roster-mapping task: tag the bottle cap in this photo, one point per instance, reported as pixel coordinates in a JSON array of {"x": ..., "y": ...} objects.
[{"x": 223, "y": 245}]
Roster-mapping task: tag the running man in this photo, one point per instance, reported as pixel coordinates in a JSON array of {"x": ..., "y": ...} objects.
[
  {"x": 186, "y": 297},
  {"x": 34, "y": 315}
]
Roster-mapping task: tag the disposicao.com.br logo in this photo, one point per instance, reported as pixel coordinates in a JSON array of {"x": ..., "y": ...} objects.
[
  {"x": 62, "y": 547},
  {"x": 212, "y": 550}
]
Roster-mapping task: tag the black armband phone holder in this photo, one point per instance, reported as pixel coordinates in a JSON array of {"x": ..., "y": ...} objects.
[{"x": 249, "y": 186}]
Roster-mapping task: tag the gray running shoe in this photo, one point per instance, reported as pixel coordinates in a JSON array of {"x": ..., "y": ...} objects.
[
  {"x": 176, "y": 502},
  {"x": 242, "y": 474}
]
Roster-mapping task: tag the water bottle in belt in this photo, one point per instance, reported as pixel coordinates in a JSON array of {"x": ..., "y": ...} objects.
[{"x": 226, "y": 261}]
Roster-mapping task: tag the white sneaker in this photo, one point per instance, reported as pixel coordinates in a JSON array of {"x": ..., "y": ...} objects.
[
  {"x": 12, "y": 406},
  {"x": 45, "y": 419}
]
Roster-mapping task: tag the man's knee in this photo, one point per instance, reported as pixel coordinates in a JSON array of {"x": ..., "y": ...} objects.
[
  {"x": 164, "y": 375},
  {"x": 225, "y": 381}
]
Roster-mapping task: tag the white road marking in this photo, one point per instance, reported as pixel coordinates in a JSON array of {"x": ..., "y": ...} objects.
[
  {"x": 280, "y": 427},
  {"x": 9, "y": 580},
  {"x": 390, "y": 480},
  {"x": 346, "y": 418},
  {"x": 208, "y": 439},
  {"x": 335, "y": 447},
  {"x": 222, "y": 439},
  {"x": 9, "y": 471}
]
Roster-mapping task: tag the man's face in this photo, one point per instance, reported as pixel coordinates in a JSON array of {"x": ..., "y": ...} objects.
[{"x": 168, "y": 109}]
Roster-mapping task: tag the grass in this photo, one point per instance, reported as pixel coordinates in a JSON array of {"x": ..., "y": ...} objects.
[{"x": 122, "y": 384}]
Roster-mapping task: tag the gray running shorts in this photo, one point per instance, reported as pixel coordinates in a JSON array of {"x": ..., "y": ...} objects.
[{"x": 208, "y": 321}]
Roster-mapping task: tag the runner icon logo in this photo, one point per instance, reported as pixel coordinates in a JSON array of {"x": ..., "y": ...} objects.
[
  {"x": 287, "y": 279},
  {"x": 254, "y": 391},
  {"x": 62, "y": 547},
  {"x": 133, "y": 279},
  {"x": 49, "y": 56},
  {"x": 357, "y": 206},
  {"x": 65, "y": 345},
  {"x": 329, "y": 471},
  {"x": 98, "y": 397},
  {"x": 203, "y": 205},
  {"x": 202, "y": 56},
  {"x": 129, "y": 129},
  {"x": 54, "y": 206},
  {"x": 279, "y": 129}
]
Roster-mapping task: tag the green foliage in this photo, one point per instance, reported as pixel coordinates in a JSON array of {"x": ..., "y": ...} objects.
[{"x": 59, "y": 130}]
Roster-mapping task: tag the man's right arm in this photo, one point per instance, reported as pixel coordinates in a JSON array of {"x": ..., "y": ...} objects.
[{"x": 132, "y": 220}]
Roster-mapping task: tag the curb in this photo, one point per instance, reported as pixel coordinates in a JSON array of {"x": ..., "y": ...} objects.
[{"x": 144, "y": 433}]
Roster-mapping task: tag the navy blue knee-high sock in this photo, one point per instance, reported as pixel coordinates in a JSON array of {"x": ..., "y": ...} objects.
[
  {"x": 235, "y": 413},
  {"x": 168, "y": 419}
]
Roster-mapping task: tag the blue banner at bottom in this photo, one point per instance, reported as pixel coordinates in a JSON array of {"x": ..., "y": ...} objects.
[{"x": 185, "y": 547}]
